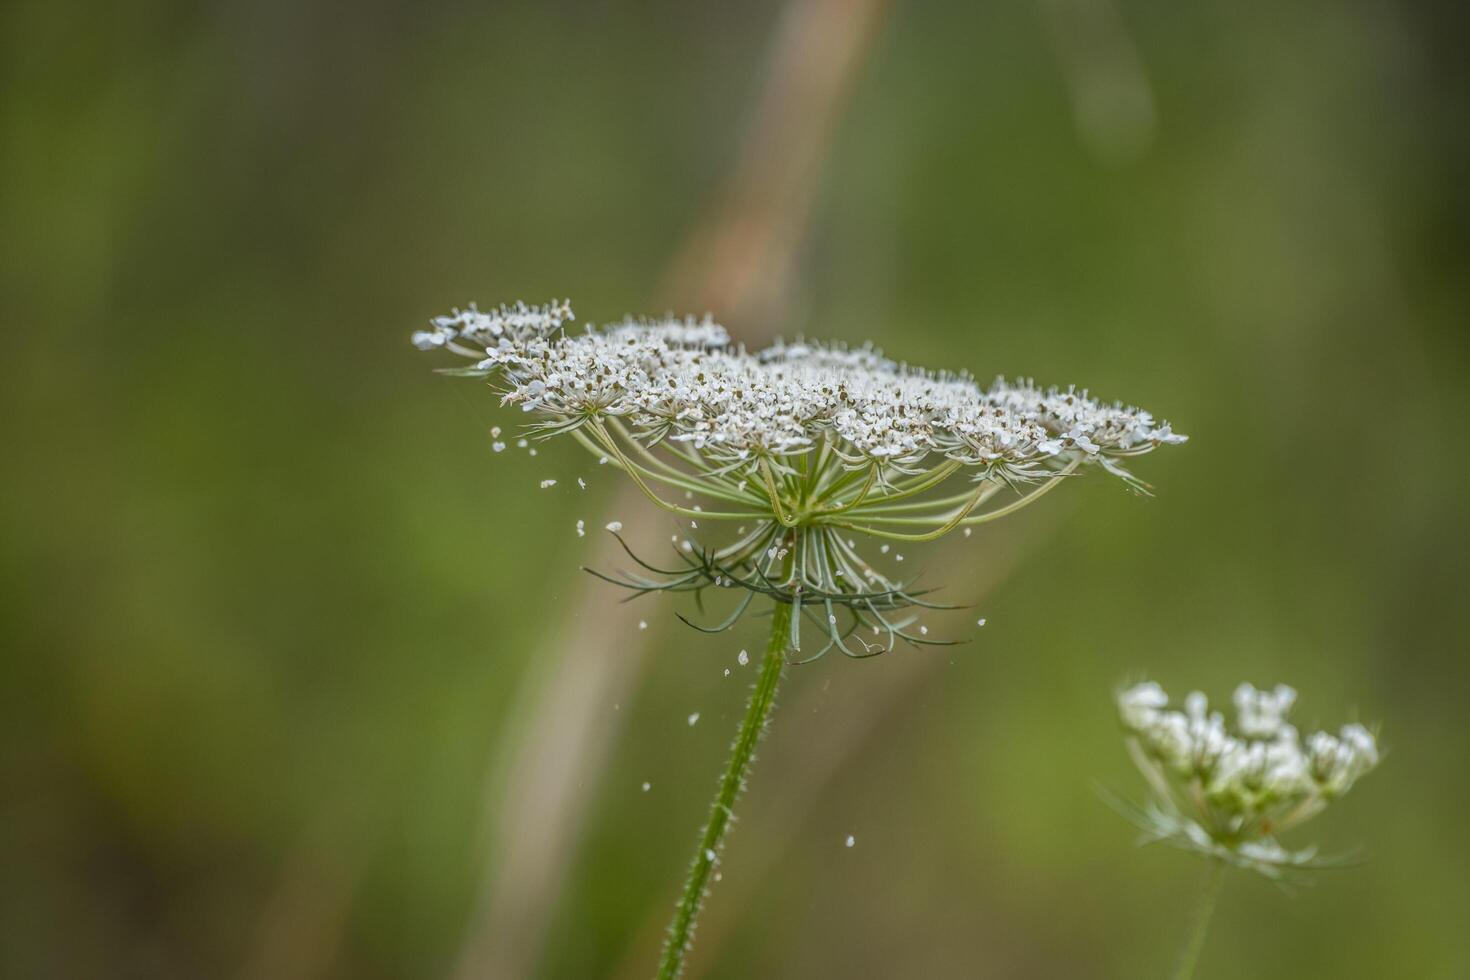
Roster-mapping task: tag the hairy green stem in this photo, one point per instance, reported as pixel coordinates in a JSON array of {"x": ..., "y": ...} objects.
[
  {"x": 762, "y": 699},
  {"x": 1204, "y": 912}
]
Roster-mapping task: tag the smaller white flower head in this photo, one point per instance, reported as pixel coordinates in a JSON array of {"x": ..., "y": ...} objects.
[{"x": 1230, "y": 789}]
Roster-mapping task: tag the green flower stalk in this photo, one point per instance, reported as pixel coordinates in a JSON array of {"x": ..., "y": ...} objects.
[{"x": 778, "y": 462}]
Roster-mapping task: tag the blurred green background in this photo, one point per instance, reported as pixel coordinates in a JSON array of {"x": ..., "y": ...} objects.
[{"x": 271, "y": 607}]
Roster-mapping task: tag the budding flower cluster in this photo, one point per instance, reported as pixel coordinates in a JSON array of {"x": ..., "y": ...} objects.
[{"x": 1228, "y": 791}]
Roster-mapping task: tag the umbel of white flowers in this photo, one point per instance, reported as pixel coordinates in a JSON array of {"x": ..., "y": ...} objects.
[
  {"x": 1228, "y": 792},
  {"x": 805, "y": 446}
]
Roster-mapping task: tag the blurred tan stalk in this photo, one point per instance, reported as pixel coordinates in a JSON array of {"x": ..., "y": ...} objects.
[{"x": 737, "y": 263}]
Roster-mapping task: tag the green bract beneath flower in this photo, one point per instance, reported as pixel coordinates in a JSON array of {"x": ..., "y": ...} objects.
[
  {"x": 1228, "y": 791},
  {"x": 807, "y": 444}
]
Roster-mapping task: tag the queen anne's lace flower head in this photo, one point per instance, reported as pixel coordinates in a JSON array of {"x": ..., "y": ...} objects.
[
  {"x": 1228, "y": 791},
  {"x": 806, "y": 444}
]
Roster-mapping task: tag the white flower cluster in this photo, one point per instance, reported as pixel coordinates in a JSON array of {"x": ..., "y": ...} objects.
[
  {"x": 681, "y": 379},
  {"x": 1237, "y": 788},
  {"x": 480, "y": 330}
]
